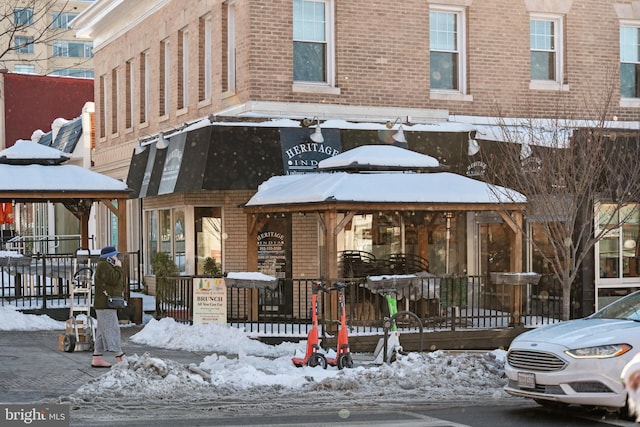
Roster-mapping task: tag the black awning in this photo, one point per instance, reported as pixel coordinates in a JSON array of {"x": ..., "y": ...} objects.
[
  {"x": 207, "y": 158},
  {"x": 68, "y": 136}
]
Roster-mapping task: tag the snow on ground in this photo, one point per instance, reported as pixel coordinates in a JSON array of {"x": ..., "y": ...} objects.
[{"x": 240, "y": 368}]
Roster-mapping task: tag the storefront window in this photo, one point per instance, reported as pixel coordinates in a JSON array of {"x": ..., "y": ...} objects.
[
  {"x": 168, "y": 225},
  {"x": 208, "y": 228},
  {"x": 618, "y": 249}
]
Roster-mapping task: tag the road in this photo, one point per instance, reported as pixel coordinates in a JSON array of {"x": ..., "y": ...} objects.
[{"x": 479, "y": 414}]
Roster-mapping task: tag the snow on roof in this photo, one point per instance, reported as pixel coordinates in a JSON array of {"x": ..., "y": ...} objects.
[
  {"x": 441, "y": 187},
  {"x": 57, "y": 178},
  {"x": 26, "y": 151},
  {"x": 379, "y": 155}
]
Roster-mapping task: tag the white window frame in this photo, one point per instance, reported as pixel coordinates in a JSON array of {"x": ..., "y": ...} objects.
[
  {"x": 145, "y": 96},
  {"x": 24, "y": 69},
  {"x": 626, "y": 101},
  {"x": 231, "y": 47},
  {"x": 459, "y": 94},
  {"x": 558, "y": 26},
  {"x": 208, "y": 60},
  {"x": 185, "y": 71},
  {"x": 26, "y": 47},
  {"x": 328, "y": 86}
]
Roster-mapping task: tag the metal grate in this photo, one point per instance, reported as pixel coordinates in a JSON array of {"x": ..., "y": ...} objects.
[{"x": 535, "y": 361}]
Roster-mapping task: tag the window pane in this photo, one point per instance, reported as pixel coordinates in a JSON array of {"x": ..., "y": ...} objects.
[
  {"x": 309, "y": 62},
  {"x": 23, "y": 16},
  {"x": 630, "y": 80},
  {"x": 542, "y": 35},
  {"x": 178, "y": 233},
  {"x": 208, "y": 229},
  {"x": 610, "y": 244},
  {"x": 152, "y": 238},
  {"x": 543, "y": 66},
  {"x": 630, "y": 236},
  {"x": 629, "y": 46},
  {"x": 443, "y": 33},
  {"x": 444, "y": 70},
  {"x": 166, "y": 233}
]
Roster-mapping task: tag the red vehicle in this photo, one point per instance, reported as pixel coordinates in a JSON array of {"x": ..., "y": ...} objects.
[
  {"x": 343, "y": 357},
  {"x": 313, "y": 357}
]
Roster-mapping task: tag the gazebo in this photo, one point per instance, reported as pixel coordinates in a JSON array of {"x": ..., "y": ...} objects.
[
  {"x": 377, "y": 178},
  {"x": 34, "y": 173}
]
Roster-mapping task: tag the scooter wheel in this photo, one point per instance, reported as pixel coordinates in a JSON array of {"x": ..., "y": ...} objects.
[
  {"x": 345, "y": 361},
  {"x": 317, "y": 359}
]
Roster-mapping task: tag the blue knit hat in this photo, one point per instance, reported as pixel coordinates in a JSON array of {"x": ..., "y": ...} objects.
[{"x": 108, "y": 251}]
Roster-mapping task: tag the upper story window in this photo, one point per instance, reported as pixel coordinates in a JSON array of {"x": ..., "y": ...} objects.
[
  {"x": 22, "y": 16},
  {"x": 62, "y": 19},
  {"x": 25, "y": 69},
  {"x": 546, "y": 51},
  {"x": 23, "y": 44},
  {"x": 313, "y": 42},
  {"x": 630, "y": 61},
  {"x": 73, "y": 72},
  {"x": 447, "y": 52},
  {"x": 73, "y": 49}
]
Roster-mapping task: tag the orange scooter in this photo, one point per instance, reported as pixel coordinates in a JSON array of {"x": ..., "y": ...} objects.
[
  {"x": 343, "y": 357},
  {"x": 313, "y": 357}
]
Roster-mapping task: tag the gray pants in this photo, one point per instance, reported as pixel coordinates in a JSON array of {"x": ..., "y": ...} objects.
[{"x": 107, "y": 332}]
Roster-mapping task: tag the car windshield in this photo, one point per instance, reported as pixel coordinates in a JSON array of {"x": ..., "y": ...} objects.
[{"x": 627, "y": 307}]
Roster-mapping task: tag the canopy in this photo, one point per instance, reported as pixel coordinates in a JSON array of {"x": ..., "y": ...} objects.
[{"x": 33, "y": 173}]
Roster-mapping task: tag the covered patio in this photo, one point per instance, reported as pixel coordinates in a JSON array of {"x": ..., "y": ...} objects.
[
  {"x": 379, "y": 179},
  {"x": 34, "y": 173}
]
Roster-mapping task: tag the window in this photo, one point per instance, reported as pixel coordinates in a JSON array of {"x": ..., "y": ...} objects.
[
  {"x": 228, "y": 47},
  {"x": 166, "y": 233},
  {"x": 23, "y": 44},
  {"x": 61, "y": 19},
  {"x": 630, "y": 62},
  {"x": 115, "y": 84},
  {"x": 447, "y": 53},
  {"x": 72, "y": 49},
  {"x": 546, "y": 48},
  {"x": 103, "y": 106},
  {"x": 618, "y": 251},
  {"x": 22, "y": 16},
  {"x": 312, "y": 41},
  {"x": 183, "y": 69},
  {"x": 165, "y": 65},
  {"x": 73, "y": 72},
  {"x": 208, "y": 230},
  {"x": 204, "y": 58},
  {"x": 144, "y": 86},
  {"x": 128, "y": 101},
  {"x": 25, "y": 69}
]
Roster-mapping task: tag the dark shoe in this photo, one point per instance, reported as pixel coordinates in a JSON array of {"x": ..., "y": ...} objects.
[{"x": 120, "y": 358}]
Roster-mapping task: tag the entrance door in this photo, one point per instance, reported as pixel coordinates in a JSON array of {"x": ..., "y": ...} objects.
[{"x": 208, "y": 228}]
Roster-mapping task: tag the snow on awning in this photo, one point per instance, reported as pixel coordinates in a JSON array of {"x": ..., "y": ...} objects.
[
  {"x": 436, "y": 188},
  {"x": 25, "y": 152},
  {"x": 378, "y": 157}
]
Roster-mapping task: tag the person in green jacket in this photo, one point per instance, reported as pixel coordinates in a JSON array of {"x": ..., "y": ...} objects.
[{"x": 108, "y": 282}]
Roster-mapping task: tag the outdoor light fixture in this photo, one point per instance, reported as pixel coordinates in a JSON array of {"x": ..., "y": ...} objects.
[
  {"x": 474, "y": 147},
  {"x": 139, "y": 148},
  {"x": 399, "y": 135},
  {"x": 316, "y": 136},
  {"x": 162, "y": 142}
]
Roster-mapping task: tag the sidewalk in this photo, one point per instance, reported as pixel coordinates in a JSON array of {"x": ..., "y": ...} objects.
[{"x": 32, "y": 368}]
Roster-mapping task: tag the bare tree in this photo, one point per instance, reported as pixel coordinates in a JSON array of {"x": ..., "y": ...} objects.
[
  {"x": 566, "y": 168},
  {"x": 26, "y": 23}
]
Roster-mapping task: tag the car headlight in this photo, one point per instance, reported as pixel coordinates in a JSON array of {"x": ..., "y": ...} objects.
[{"x": 599, "y": 352}]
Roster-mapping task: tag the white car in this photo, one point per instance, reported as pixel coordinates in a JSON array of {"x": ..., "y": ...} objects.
[{"x": 577, "y": 361}]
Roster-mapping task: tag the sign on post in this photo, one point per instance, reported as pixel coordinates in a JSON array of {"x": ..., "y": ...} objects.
[{"x": 209, "y": 300}]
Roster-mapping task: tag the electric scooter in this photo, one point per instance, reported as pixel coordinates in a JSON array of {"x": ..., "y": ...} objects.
[
  {"x": 392, "y": 344},
  {"x": 343, "y": 357},
  {"x": 313, "y": 357}
]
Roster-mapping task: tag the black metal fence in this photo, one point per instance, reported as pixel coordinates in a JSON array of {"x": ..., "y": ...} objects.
[
  {"x": 42, "y": 281},
  {"x": 449, "y": 303}
]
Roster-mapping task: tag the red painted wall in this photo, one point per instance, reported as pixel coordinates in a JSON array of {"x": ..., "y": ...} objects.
[{"x": 32, "y": 102}]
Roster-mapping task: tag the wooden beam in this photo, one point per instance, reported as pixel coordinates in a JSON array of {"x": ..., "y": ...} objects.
[{"x": 348, "y": 216}]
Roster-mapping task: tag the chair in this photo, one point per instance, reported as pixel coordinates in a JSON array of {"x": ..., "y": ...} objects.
[
  {"x": 357, "y": 263},
  {"x": 406, "y": 264}
]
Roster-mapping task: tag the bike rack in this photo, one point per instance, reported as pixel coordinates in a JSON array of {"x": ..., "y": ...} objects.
[{"x": 388, "y": 323}]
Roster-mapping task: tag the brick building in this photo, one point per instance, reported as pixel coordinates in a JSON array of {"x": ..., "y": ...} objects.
[{"x": 197, "y": 104}]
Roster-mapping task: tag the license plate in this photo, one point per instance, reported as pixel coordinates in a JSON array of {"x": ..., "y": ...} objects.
[{"x": 526, "y": 380}]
